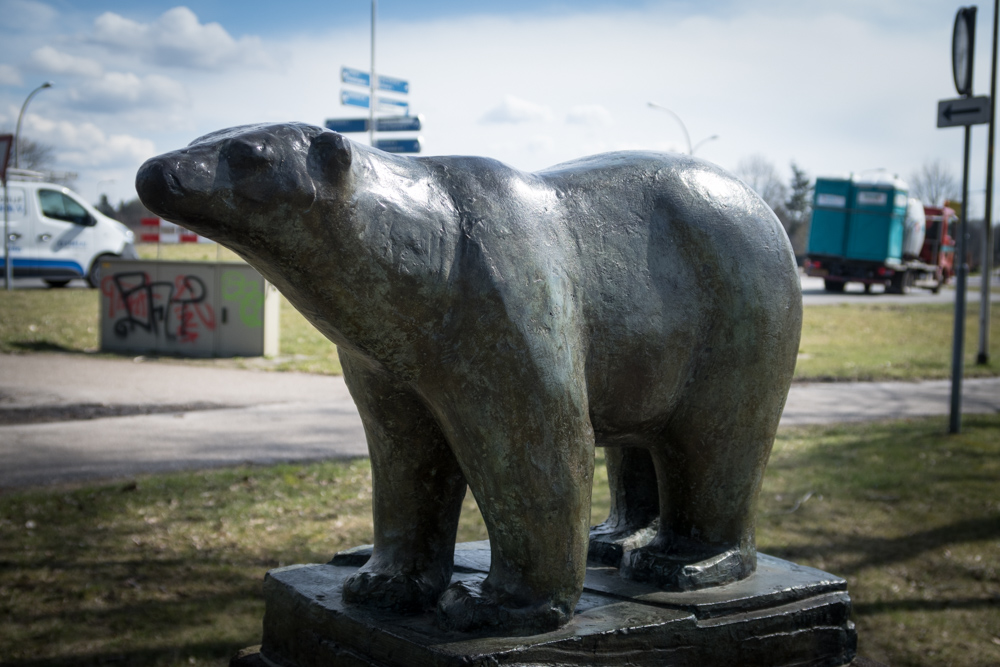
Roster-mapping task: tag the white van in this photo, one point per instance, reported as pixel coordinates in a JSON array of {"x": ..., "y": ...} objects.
[{"x": 55, "y": 235}]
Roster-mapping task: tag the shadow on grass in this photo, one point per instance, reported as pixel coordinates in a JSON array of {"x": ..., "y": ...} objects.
[
  {"x": 886, "y": 606},
  {"x": 882, "y": 551}
]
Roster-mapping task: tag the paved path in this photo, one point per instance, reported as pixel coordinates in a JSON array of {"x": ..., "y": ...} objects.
[{"x": 222, "y": 417}]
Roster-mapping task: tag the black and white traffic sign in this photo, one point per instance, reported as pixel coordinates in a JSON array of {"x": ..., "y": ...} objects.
[{"x": 964, "y": 111}]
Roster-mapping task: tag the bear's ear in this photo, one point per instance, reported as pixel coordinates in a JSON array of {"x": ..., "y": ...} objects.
[{"x": 331, "y": 154}]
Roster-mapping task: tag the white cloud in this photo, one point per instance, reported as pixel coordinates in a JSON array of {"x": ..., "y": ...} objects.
[
  {"x": 52, "y": 61},
  {"x": 178, "y": 39},
  {"x": 85, "y": 145},
  {"x": 9, "y": 76},
  {"x": 590, "y": 114},
  {"x": 516, "y": 110},
  {"x": 115, "y": 92}
]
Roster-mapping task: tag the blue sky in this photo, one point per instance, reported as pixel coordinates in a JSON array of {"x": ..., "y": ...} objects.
[{"x": 836, "y": 87}]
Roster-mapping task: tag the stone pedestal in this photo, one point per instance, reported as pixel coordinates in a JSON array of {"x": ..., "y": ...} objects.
[{"x": 784, "y": 614}]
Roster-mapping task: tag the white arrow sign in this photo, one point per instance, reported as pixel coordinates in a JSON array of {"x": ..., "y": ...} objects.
[{"x": 964, "y": 111}]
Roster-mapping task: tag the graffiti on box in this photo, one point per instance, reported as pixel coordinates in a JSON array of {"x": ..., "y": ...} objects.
[
  {"x": 177, "y": 311},
  {"x": 247, "y": 293}
]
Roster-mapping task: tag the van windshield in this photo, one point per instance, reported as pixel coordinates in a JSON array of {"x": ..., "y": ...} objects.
[{"x": 58, "y": 206}]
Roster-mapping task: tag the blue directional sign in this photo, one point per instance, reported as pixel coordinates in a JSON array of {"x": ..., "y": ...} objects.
[
  {"x": 355, "y": 77},
  {"x": 393, "y": 85},
  {"x": 399, "y": 124},
  {"x": 399, "y": 145},
  {"x": 386, "y": 124},
  {"x": 389, "y": 104},
  {"x": 343, "y": 125},
  {"x": 353, "y": 99}
]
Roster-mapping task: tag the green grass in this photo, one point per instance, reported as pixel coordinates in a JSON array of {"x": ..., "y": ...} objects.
[
  {"x": 167, "y": 570},
  {"x": 910, "y": 517},
  {"x": 846, "y": 342},
  {"x": 890, "y": 342}
]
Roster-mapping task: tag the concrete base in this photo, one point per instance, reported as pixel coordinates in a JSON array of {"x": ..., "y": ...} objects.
[{"x": 784, "y": 614}]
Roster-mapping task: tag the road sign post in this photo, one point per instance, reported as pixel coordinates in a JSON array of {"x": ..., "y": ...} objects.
[
  {"x": 965, "y": 111},
  {"x": 5, "y": 143},
  {"x": 983, "y": 357},
  {"x": 371, "y": 125}
]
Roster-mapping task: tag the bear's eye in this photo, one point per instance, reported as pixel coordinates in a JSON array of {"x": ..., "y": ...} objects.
[{"x": 247, "y": 156}]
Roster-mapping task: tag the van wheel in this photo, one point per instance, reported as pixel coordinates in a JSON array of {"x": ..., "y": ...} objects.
[
  {"x": 94, "y": 275},
  {"x": 57, "y": 283}
]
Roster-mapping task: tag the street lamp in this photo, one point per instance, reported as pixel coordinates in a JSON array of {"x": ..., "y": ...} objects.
[
  {"x": 17, "y": 130},
  {"x": 687, "y": 137}
]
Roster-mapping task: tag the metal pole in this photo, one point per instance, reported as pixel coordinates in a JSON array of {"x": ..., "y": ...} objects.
[
  {"x": 687, "y": 137},
  {"x": 371, "y": 100},
  {"x": 955, "y": 423},
  {"x": 8, "y": 264},
  {"x": 983, "y": 357}
]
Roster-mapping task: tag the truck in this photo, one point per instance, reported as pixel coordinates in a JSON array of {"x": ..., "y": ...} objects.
[
  {"x": 866, "y": 229},
  {"x": 55, "y": 235}
]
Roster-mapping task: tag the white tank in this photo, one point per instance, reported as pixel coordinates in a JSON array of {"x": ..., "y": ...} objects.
[{"x": 914, "y": 229}]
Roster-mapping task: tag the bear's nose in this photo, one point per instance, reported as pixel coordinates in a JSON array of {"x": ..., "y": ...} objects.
[{"x": 156, "y": 186}]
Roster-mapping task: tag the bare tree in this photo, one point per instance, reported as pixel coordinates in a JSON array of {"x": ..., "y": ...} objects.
[
  {"x": 933, "y": 183},
  {"x": 760, "y": 174},
  {"x": 31, "y": 154}
]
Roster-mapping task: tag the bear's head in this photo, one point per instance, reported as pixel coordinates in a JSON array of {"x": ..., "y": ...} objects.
[{"x": 236, "y": 184}]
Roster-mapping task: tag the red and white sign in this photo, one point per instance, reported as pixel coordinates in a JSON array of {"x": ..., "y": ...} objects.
[{"x": 155, "y": 230}]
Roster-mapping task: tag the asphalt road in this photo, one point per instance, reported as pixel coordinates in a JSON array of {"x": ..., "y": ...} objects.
[
  {"x": 177, "y": 416},
  {"x": 813, "y": 293}
]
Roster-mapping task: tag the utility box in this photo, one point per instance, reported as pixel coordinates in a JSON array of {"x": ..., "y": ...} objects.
[{"x": 190, "y": 309}]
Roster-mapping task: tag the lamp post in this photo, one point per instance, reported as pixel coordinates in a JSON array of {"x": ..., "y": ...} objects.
[
  {"x": 687, "y": 137},
  {"x": 20, "y": 117}
]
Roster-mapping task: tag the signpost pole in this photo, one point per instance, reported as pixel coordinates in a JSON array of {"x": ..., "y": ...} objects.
[
  {"x": 8, "y": 264},
  {"x": 5, "y": 145},
  {"x": 983, "y": 357},
  {"x": 962, "y": 273},
  {"x": 374, "y": 77}
]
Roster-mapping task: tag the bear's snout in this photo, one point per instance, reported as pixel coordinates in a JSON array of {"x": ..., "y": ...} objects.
[{"x": 157, "y": 186}]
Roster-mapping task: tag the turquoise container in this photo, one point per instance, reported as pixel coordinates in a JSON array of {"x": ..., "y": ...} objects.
[
  {"x": 828, "y": 231},
  {"x": 859, "y": 219}
]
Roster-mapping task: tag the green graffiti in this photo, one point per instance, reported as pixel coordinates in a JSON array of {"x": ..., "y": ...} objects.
[{"x": 247, "y": 293}]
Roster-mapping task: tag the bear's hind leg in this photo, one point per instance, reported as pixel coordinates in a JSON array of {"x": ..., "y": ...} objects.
[
  {"x": 708, "y": 491},
  {"x": 635, "y": 509},
  {"x": 417, "y": 493}
]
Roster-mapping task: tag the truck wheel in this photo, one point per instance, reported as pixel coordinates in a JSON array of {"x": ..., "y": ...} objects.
[
  {"x": 94, "y": 275},
  {"x": 833, "y": 285},
  {"x": 898, "y": 283}
]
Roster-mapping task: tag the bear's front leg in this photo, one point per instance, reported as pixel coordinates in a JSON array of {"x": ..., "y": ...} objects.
[
  {"x": 527, "y": 451},
  {"x": 417, "y": 493}
]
